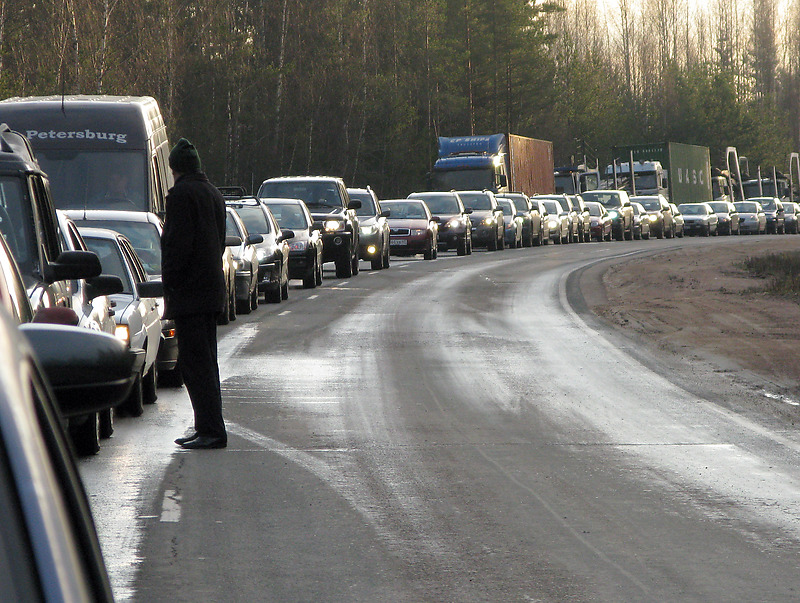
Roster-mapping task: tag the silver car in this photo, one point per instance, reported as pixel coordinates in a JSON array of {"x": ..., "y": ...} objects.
[
  {"x": 245, "y": 258},
  {"x": 752, "y": 218},
  {"x": 137, "y": 317}
]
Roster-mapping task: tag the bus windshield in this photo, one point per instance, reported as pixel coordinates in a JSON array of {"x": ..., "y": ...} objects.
[{"x": 96, "y": 179}]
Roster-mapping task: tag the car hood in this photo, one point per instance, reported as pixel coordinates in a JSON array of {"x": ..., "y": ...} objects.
[
  {"x": 367, "y": 221},
  {"x": 326, "y": 213},
  {"x": 408, "y": 223}
]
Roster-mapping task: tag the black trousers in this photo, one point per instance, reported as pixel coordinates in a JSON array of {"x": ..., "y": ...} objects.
[{"x": 197, "y": 359}]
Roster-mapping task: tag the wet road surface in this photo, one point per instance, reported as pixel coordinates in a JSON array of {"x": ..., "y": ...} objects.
[{"x": 452, "y": 430}]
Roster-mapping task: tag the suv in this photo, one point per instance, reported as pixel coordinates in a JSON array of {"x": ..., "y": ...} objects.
[
  {"x": 333, "y": 211},
  {"x": 374, "y": 234}
]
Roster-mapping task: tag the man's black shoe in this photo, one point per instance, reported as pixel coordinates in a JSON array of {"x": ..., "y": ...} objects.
[
  {"x": 188, "y": 438},
  {"x": 201, "y": 442}
]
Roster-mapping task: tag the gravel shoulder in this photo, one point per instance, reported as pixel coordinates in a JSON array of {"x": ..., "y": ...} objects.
[{"x": 700, "y": 319}]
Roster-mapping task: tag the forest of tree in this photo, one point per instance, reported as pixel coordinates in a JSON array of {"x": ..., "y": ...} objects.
[{"x": 362, "y": 88}]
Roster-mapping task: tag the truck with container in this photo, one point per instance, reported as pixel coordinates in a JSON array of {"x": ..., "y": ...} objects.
[
  {"x": 500, "y": 163},
  {"x": 680, "y": 172}
]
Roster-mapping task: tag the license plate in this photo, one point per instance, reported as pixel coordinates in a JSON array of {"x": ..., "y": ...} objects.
[{"x": 398, "y": 242}]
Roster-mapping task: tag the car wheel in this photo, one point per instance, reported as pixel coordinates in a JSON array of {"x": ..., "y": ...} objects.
[
  {"x": 254, "y": 299},
  {"x": 356, "y": 266},
  {"x": 376, "y": 263},
  {"x": 469, "y": 246},
  {"x": 344, "y": 265},
  {"x": 171, "y": 378},
  {"x": 285, "y": 290},
  {"x": 461, "y": 246},
  {"x": 150, "y": 385},
  {"x": 501, "y": 242},
  {"x": 134, "y": 404},
  {"x": 319, "y": 271},
  {"x": 492, "y": 244},
  {"x": 232, "y": 305},
  {"x": 386, "y": 255},
  {"x": 86, "y": 436},
  {"x": 428, "y": 253},
  {"x": 273, "y": 295},
  {"x": 244, "y": 307},
  {"x": 310, "y": 277},
  {"x": 105, "y": 418}
]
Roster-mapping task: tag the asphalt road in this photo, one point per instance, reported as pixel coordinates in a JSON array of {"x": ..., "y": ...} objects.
[{"x": 452, "y": 430}]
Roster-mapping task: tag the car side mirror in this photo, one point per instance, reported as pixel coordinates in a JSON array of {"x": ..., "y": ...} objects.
[
  {"x": 72, "y": 265},
  {"x": 385, "y": 213},
  {"x": 285, "y": 235},
  {"x": 88, "y": 371},
  {"x": 468, "y": 210},
  {"x": 436, "y": 219},
  {"x": 233, "y": 241},
  {"x": 105, "y": 284},
  {"x": 150, "y": 289},
  {"x": 254, "y": 239},
  {"x": 354, "y": 204},
  {"x": 498, "y": 210}
]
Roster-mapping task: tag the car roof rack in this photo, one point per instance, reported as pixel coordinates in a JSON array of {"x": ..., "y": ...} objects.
[{"x": 233, "y": 192}]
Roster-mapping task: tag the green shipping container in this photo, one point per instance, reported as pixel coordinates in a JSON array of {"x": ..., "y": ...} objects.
[{"x": 688, "y": 168}]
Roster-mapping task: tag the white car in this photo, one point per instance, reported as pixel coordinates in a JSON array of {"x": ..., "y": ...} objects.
[{"x": 136, "y": 309}]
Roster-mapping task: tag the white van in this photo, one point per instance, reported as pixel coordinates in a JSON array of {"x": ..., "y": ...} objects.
[{"x": 100, "y": 152}]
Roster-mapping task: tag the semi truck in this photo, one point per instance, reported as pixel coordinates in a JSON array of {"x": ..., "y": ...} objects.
[
  {"x": 575, "y": 179},
  {"x": 500, "y": 163},
  {"x": 680, "y": 172}
]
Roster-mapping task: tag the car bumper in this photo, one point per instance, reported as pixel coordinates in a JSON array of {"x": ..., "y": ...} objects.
[
  {"x": 370, "y": 245},
  {"x": 408, "y": 245},
  {"x": 335, "y": 244},
  {"x": 167, "y": 358},
  {"x": 483, "y": 234},
  {"x": 691, "y": 227},
  {"x": 300, "y": 263}
]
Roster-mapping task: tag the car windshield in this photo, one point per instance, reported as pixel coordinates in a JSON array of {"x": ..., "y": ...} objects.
[
  {"x": 111, "y": 260},
  {"x": 367, "y": 209},
  {"x": 605, "y": 199},
  {"x": 636, "y": 209},
  {"x": 405, "y": 210},
  {"x": 693, "y": 209},
  {"x": 254, "y": 219},
  {"x": 594, "y": 209},
  {"x": 17, "y": 223},
  {"x": 742, "y": 206},
  {"x": 518, "y": 201},
  {"x": 789, "y": 208},
  {"x": 719, "y": 207},
  {"x": 143, "y": 236},
  {"x": 479, "y": 201},
  {"x": 462, "y": 180},
  {"x": 314, "y": 193},
  {"x": 552, "y": 207},
  {"x": 506, "y": 206},
  {"x": 440, "y": 204},
  {"x": 96, "y": 179},
  {"x": 231, "y": 228},
  {"x": 649, "y": 203},
  {"x": 289, "y": 215},
  {"x": 768, "y": 204}
]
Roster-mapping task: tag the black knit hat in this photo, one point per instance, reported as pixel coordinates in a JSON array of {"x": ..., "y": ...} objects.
[{"x": 183, "y": 157}]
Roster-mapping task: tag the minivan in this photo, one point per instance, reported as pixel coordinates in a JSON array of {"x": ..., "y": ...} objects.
[{"x": 100, "y": 152}]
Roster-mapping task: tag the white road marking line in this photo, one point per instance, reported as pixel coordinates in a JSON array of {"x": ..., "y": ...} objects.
[
  {"x": 285, "y": 312},
  {"x": 171, "y": 507},
  {"x": 313, "y": 296}
]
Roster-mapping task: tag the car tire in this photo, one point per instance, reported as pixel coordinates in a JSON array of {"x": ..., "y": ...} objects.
[
  {"x": 356, "y": 267},
  {"x": 492, "y": 245},
  {"x": 501, "y": 243},
  {"x": 244, "y": 307},
  {"x": 310, "y": 277},
  {"x": 133, "y": 405},
  {"x": 150, "y": 385},
  {"x": 344, "y": 265},
  {"x": 254, "y": 299},
  {"x": 285, "y": 290},
  {"x": 273, "y": 296},
  {"x": 86, "y": 436},
  {"x": 319, "y": 272},
  {"x": 105, "y": 419},
  {"x": 171, "y": 378},
  {"x": 461, "y": 246},
  {"x": 428, "y": 253},
  {"x": 385, "y": 254},
  {"x": 376, "y": 263}
]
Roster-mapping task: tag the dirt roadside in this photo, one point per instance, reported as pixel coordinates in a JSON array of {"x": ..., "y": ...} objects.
[{"x": 698, "y": 311}]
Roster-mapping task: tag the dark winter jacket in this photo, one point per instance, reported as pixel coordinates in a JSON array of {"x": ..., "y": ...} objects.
[{"x": 192, "y": 246}]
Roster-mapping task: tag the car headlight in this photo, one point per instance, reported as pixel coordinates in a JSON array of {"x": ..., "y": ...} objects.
[
  {"x": 653, "y": 218},
  {"x": 455, "y": 222},
  {"x": 488, "y": 221},
  {"x": 261, "y": 254},
  {"x": 298, "y": 246},
  {"x": 553, "y": 223},
  {"x": 613, "y": 214},
  {"x": 122, "y": 333},
  {"x": 333, "y": 225},
  {"x": 369, "y": 230}
]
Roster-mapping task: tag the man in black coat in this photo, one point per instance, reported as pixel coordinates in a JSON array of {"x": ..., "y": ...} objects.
[{"x": 194, "y": 288}]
